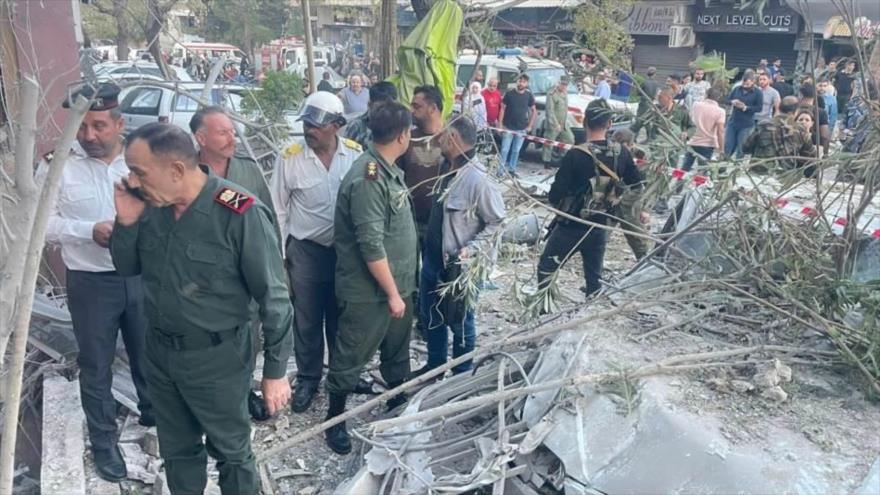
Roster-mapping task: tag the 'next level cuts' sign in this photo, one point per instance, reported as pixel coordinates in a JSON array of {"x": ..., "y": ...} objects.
[{"x": 731, "y": 20}]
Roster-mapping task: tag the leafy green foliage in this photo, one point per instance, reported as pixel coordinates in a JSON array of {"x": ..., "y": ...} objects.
[
  {"x": 279, "y": 93},
  {"x": 600, "y": 25},
  {"x": 490, "y": 38},
  {"x": 250, "y": 23}
]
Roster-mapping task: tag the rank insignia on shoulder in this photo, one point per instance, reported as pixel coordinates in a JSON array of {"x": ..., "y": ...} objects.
[
  {"x": 49, "y": 156},
  {"x": 234, "y": 200},
  {"x": 292, "y": 150},
  {"x": 372, "y": 171},
  {"x": 352, "y": 144}
]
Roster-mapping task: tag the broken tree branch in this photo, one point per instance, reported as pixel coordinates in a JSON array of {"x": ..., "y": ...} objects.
[
  {"x": 25, "y": 297},
  {"x": 366, "y": 406}
]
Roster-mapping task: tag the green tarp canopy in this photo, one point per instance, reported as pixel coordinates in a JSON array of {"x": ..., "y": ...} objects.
[{"x": 427, "y": 55}]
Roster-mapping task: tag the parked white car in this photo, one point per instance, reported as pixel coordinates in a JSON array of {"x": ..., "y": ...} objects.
[
  {"x": 141, "y": 104},
  {"x": 148, "y": 71},
  {"x": 543, "y": 76}
]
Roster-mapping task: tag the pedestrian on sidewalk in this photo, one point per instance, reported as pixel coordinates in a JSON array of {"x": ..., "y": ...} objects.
[
  {"x": 603, "y": 90},
  {"x": 103, "y": 302},
  {"x": 746, "y": 100},
  {"x": 465, "y": 218},
  {"x": 556, "y": 127},
  {"x": 518, "y": 112}
]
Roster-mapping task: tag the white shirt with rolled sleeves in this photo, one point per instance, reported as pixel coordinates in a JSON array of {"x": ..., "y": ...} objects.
[
  {"x": 304, "y": 190},
  {"x": 85, "y": 197}
]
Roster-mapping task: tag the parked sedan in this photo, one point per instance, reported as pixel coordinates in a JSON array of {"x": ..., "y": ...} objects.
[{"x": 141, "y": 104}]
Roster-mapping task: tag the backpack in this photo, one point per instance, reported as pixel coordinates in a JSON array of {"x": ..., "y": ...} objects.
[{"x": 607, "y": 190}]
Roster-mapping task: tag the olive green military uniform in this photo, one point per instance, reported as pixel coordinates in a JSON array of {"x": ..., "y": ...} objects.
[
  {"x": 780, "y": 140},
  {"x": 374, "y": 221},
  {"x": 246, "y": 173},
  {"x": 200, "y": 273},
  {"x": 556, "y": 114}
]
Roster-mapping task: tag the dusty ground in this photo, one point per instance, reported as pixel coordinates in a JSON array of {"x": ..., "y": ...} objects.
[{"x": 824, "y": 405}]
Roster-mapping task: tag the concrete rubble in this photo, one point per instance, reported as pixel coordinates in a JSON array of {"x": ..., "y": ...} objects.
[{"x": 779, "y": 421}]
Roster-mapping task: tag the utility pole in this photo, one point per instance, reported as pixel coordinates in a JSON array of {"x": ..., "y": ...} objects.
[{"x": 310, "y": 55}]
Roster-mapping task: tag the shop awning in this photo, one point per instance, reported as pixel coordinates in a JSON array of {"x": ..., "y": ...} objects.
[
  {"x": 817, "y": 13},
  {"x": 837, "y": 27}
]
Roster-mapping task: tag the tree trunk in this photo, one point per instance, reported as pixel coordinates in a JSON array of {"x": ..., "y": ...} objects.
[
  {"x": 122, "y": 29},
  {"x": 33, "y": 235},
  {"x": 155, "y": 25},
  {"x": 387, "y": 37}
]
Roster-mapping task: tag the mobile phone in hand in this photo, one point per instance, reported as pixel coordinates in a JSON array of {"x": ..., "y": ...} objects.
[{"x": 134, "y": 191}]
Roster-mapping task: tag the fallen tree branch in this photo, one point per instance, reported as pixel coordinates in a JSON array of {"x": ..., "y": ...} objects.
[
  {"x": 669, "y": 365},
  {"x": 366, "y": 406}
]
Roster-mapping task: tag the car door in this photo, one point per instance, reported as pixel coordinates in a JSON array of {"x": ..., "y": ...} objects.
[{"x": 141, "y": 106}]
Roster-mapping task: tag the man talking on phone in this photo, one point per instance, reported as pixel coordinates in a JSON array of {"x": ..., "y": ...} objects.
[{"x": 206, "y": 248}]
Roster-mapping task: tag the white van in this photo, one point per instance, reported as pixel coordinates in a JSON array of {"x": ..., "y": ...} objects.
[{"x": 543, "y": 76}]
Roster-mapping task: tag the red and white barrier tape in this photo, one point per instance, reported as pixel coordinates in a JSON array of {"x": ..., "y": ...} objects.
[
  {"x": 696, "y": 180},
  {"x": 535, "y": 139}
]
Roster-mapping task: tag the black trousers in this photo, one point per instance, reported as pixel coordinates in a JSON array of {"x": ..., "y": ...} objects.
[
  {"x": 102, "y": 304},
  {"x": 311, "y": 268},
  {"x": 567, "y": 239}
]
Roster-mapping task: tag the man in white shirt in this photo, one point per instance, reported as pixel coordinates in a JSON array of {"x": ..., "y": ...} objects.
[
  {"x": 304, "y": 188},
  {"x": 101, "y": 302}
]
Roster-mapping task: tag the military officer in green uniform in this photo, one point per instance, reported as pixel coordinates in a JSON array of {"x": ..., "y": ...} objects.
[
  {"x": 215, "y": 134},
  {"x": 780, "y": 143},
  {"x": 375, "y": 239},
  {"x": 556, "y": 118},
  {"x": 205, "y": 249}
]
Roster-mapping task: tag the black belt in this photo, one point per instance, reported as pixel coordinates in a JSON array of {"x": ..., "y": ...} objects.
[
  {"x": 113, "y": 272},
  {"x": 196, "y": 340}
]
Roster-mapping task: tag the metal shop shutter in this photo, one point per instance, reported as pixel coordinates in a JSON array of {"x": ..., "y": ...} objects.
[{"x": 653, "y": 51}]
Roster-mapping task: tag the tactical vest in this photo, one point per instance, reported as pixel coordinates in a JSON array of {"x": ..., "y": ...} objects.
[{"x": 606, "y": 189}]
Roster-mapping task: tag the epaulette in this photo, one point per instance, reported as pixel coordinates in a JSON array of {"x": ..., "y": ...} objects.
[
  {"x": 49, "y": 156},
  {"x": 372, "y": 171},
  {"x": 292, "y": 150},
  {"x": 236, "y": 201},
  {"x": 351, "y": 144}
]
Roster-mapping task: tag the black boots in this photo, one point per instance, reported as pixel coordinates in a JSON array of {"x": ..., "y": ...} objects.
[
  {"x": 147, "y": 418},
  {"x": 303, "y": 394},
  {"x": 110, "y": 464},
  {"x": 257, "y": 407},
  {"x": 399, "y": 399},
  {"x": 337, "y": 436}
]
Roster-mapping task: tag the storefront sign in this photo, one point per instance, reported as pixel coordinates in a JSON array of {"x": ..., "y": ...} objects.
[
  {"x": 730, "y": 20},
  {"x": 655, "y": 20}
]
